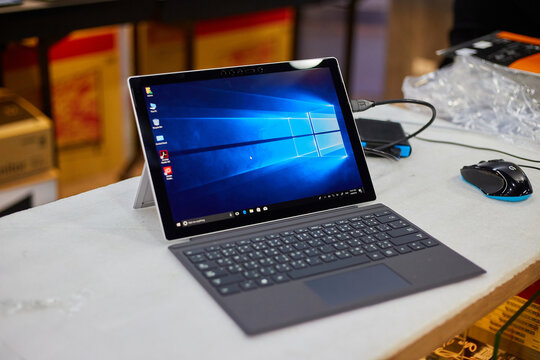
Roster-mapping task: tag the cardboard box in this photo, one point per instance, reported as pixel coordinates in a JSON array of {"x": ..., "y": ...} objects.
[
  {"x": 91, "y": 112},
  {"x": 25, "y": 138},
  {"x": 31, "y": 191},
  {"x": 161, "y": 48},
  {"x": 260, "y": 37}
]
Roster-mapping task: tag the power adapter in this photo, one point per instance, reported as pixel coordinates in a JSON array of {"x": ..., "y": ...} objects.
[{"x": 376, "y": 133}]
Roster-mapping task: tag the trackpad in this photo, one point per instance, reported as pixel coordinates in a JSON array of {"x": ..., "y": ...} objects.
[{"x": 352, "y": 286}]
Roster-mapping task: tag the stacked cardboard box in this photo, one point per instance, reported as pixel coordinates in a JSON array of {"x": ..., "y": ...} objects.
[
  {"x": 27, "y": 177},
  {"x": 89, "y": 99}
]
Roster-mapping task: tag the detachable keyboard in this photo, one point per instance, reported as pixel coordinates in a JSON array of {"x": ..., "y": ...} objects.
[{"x": 271, "y": 259}]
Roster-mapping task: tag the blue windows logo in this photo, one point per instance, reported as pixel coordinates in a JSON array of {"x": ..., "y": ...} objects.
[{"x": 317, "y": 134}]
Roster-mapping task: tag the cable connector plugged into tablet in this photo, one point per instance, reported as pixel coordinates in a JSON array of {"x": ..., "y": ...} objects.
[{"x": 361, "y": 105}]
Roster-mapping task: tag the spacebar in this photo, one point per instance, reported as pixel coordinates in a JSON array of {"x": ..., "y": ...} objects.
[{"x": 327, "y": 267}]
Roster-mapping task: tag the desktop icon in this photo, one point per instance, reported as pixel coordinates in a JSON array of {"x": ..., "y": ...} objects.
[
  {"x": 156, "y": 122},
  {"x": 167, "y": 170},
  {"x": 163, "y": 154},
  {"x": 153, "y": 106},
  {"x": 160, "y": 138},
  {"x": 148, "y": 91}
]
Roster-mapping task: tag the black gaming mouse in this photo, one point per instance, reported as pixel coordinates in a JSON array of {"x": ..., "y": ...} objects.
[{"x": 498, "y": 179}]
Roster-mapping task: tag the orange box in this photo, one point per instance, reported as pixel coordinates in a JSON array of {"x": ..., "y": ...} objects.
[
  {"x": 161, "y": 48},
  {"x": 246, "y": 39}
]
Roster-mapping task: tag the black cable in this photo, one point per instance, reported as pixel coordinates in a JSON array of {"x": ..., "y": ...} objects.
[
  {"x": 362, "y": 105},
  {"x": 530, "y": 167},
  {"x": 380, "y": 153},
  {"x": 477, "y": 148}
]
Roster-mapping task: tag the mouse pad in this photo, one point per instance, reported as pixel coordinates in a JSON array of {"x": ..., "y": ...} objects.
[{"x": 350, "y": 286}]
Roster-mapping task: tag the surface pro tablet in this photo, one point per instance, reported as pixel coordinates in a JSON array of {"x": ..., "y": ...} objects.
[{"x": 258, "y": 172}]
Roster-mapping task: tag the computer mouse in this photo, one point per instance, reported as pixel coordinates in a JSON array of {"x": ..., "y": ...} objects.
[{"x": 498, "y": 179}]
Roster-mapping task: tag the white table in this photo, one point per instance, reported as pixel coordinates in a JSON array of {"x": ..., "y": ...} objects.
[{"x": 89, "y": 277}]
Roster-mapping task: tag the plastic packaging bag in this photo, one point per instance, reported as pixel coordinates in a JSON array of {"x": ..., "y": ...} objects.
[{"x": 482, "y": 96}]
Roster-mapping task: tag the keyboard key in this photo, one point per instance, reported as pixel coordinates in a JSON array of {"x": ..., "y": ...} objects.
[
  {"x": 331, "y": 231},
  {"x": 297, "y": 255},
  {"x": 283, "y": 267},
  {"x": 267, "y": 271},
  {"x": 271, "y": 252},
  {"x": 300, "y": 246},
  {"x": 227, "y": 280},
  {"x": 328, "y": 257},
  {"x": 240, "y": 259},
  {"x": 228, "y": 252},
  {"x": 402, "y": 231},
  {"x": 327, "y": 249},
  {"x": 224, "y": 262},
  {"x": 403, "y": 249},
  {"x": 256, "y": 255},
  {"x": 357, "y": 251},
  {"x": 197, "y": 258},
  {"x": 390, "y": 252},
  {"x": 264, "y": 281},
  {"x": 213, "y": 255},
  {"x": 313, "y": 261},
  {"x": 248, "y": 285},
  {"x": 229, "y": 290},
  {"x": 233, "y": 269},
  {"x": 371, "y": 222},
  {"x": 207, "y": 265},
  {"x": 266, "y": 262},
  {"x": 370, "y": 247},
  {"x": 430, "y": 242},
  {"x": 384, "y": 244},
  {"x": 402, "y": 240},
  {"x": 388, "y": 218},
  {"x": 214, "y": 273},
  {"x": 251, "y": 274},
  {"x": 312, "y": 252},
  {"x": 298, "y": 264},
  {"x": 327, "y": 267},
  {"x": 341, "y": 245},
  {"x": 280, "y": 278},
  {"x": 193, "y": 252},
  {"x": 398, "y": 224},
  {"x": 416, "y": 246},
  {"x": 343, "y": 254},
  {"x": 375, "y": 256}
]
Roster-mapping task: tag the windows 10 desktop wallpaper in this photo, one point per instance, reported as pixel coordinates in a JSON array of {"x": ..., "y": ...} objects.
[{"x": 252, "y": 141}]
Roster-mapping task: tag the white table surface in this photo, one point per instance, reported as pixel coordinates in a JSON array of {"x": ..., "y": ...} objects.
[{"x": 89, "y": 277}]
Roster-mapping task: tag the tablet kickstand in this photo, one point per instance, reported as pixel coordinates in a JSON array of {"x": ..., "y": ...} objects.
[{"x": 144, "y": 196}]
